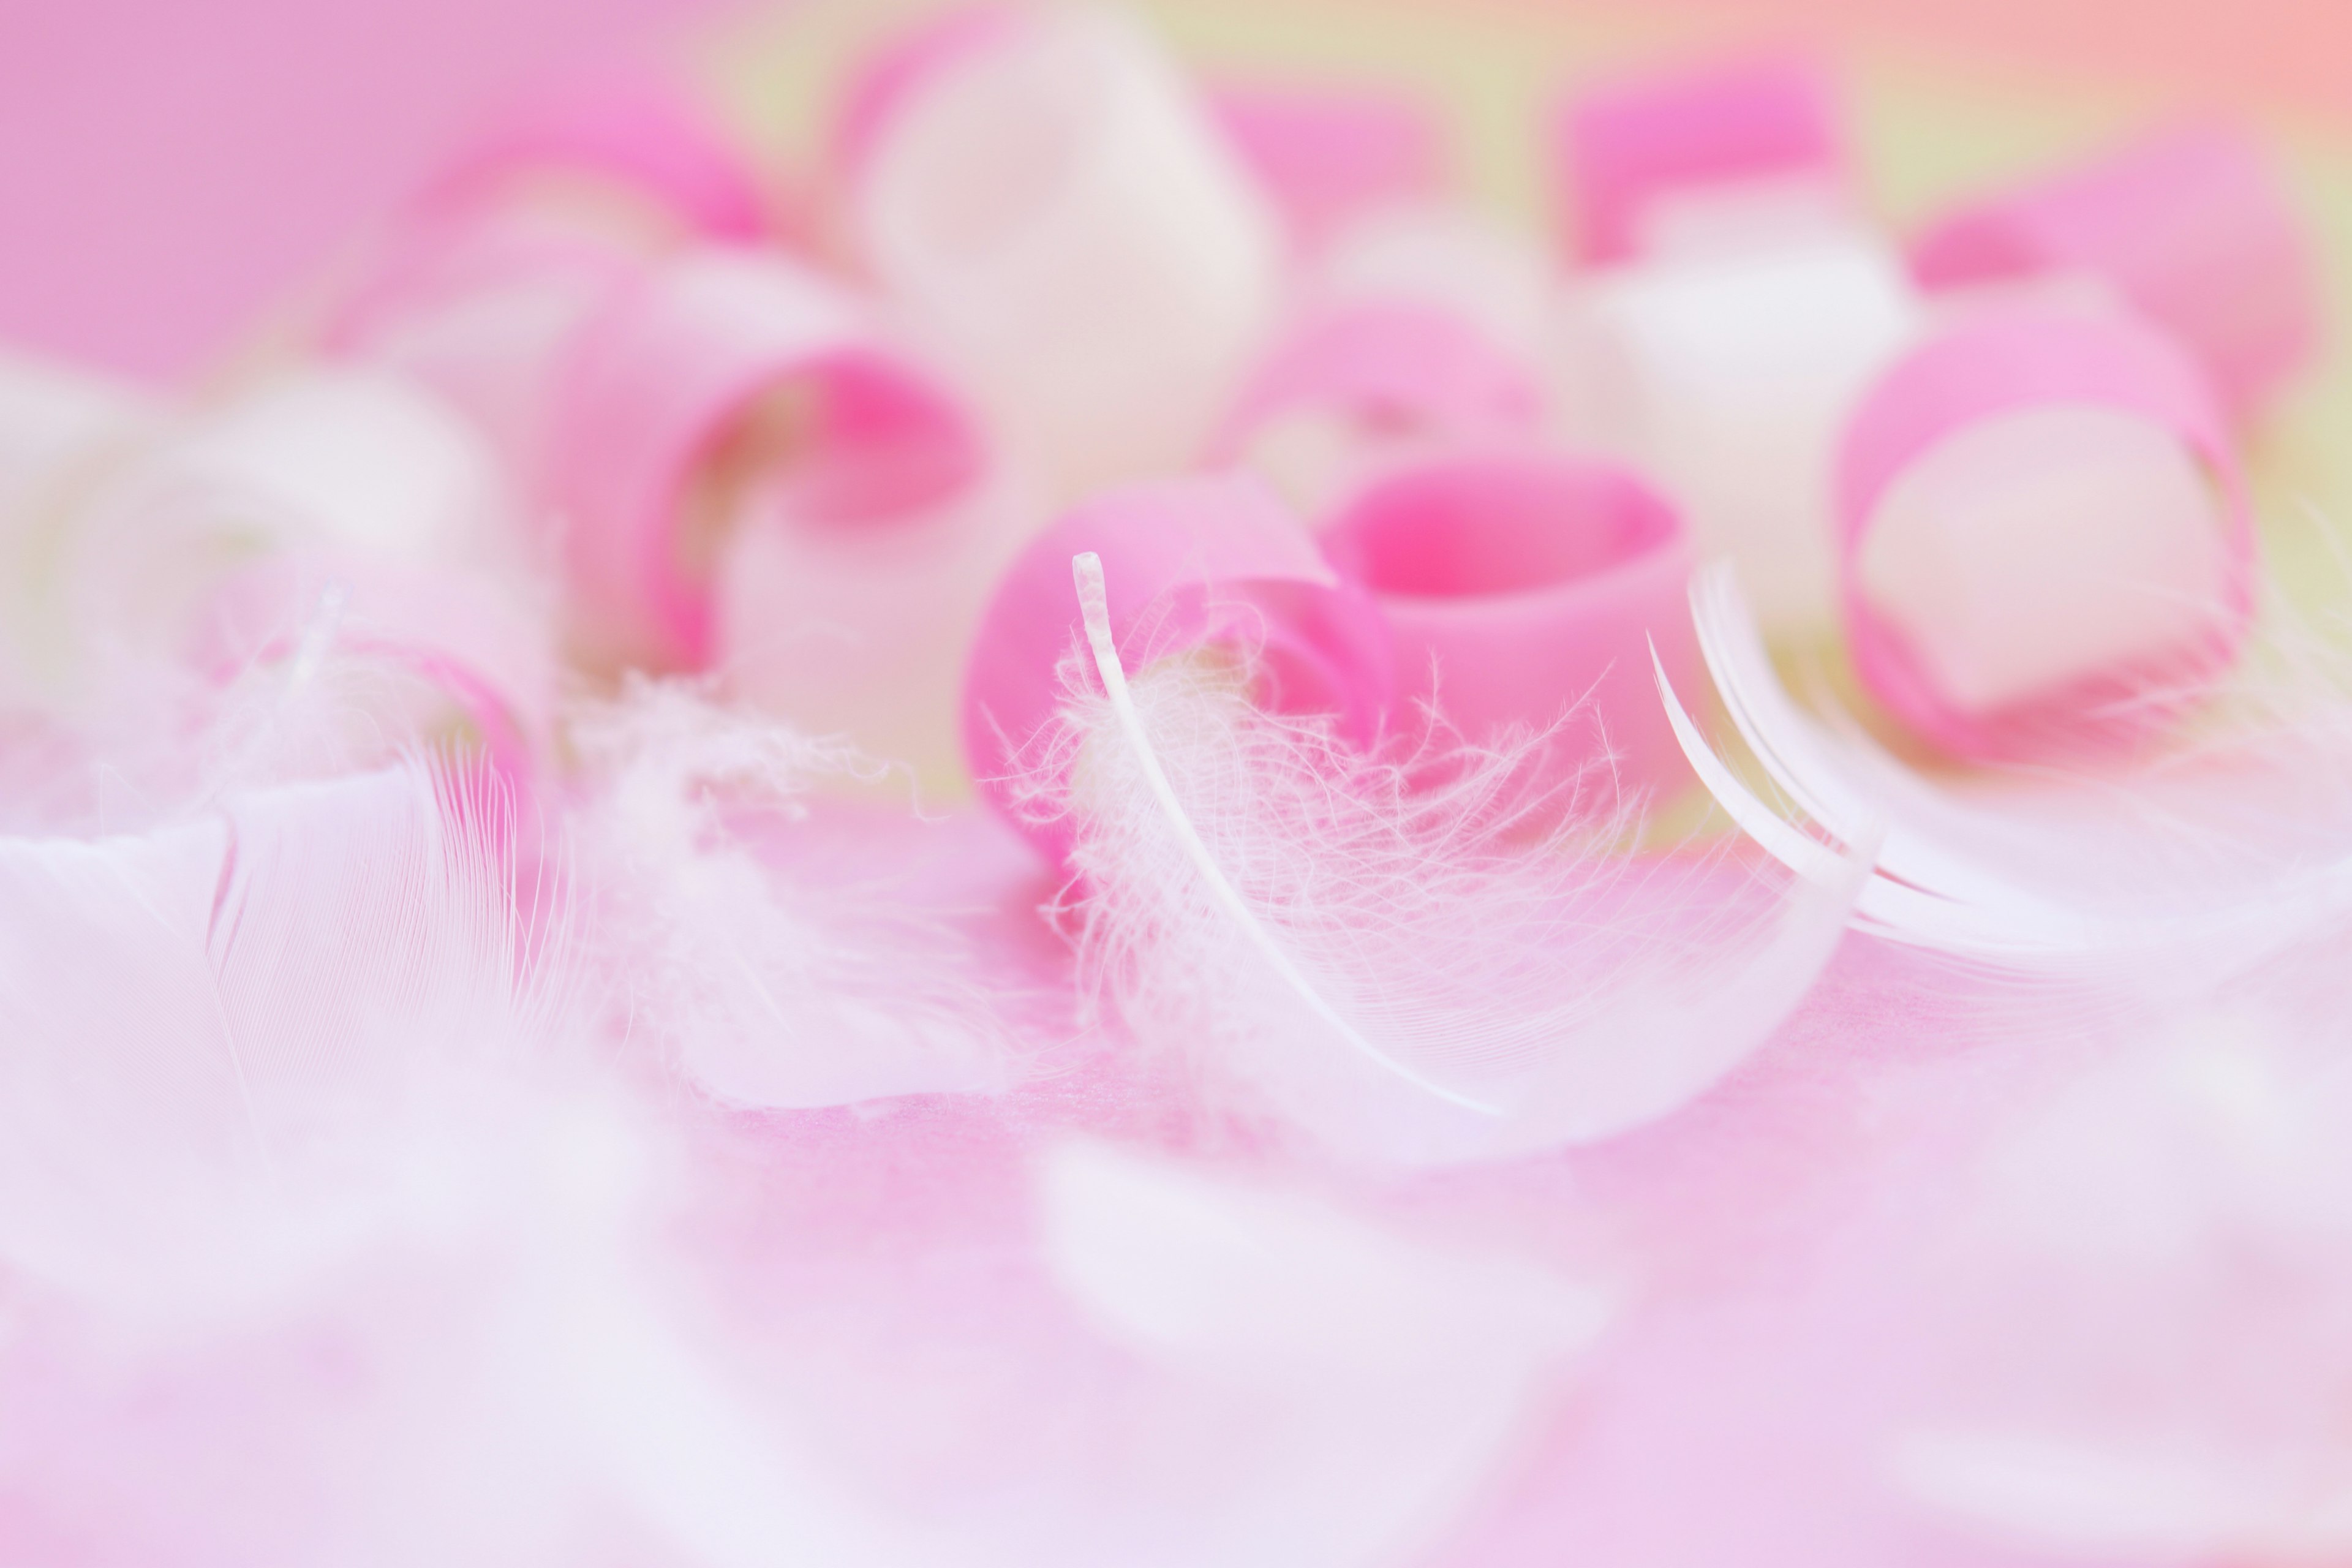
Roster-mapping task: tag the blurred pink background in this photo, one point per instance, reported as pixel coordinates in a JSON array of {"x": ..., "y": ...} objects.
[{"x": 168, "y": 168}]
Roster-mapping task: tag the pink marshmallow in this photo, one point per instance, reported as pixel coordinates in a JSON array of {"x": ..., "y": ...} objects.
[
  {"x": 1996, "y": 367},
  {"x": 1618, "y": 149},
  {"x": 465, "y": 641},
  {"x": 898, "y": 70},
  {"x": 644, "y": 138},
  {"x": 665, "y": 375},
  {"x": 1520, "y": 587},
  {"x": 2188, "y": 226},
  {"x": 1329, "y": 155}
]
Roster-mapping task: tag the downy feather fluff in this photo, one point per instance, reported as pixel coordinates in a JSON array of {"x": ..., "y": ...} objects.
[{"x": 770, "y": 984}]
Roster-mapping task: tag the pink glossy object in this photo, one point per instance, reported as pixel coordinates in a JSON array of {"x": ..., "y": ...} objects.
[
  {"x": 2188, "y": 226},
  {"x": 643, "y": 138},
  {"x": 1394, "y": 366},
  {"x": 1329, "y": 155},
  {"x": 2000, "y": 363},
  {"x": 1187, "y": 563},
  {"x": 670, "y": 371},
  {"x": 1518, "y": 586},
  {"x": 1619, "y": 147}
]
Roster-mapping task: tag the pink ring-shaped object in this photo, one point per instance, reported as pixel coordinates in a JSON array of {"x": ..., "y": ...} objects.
[
  {"x": 664, "y": 375},
  {"x": 1186, "y": 563},
  {"x": 1328, "y": 154},
  {"x": 461, "y": 642},
  {"x": 1518, "y": 586},
  {"x": 486, "y": 708},
  {"x": 448, "y": 257},
  {"x": 2188, "y": 226},
  {"x": 900, "y": 68},
  {"x": 1998, "y": 363},
  {"x": 635, "y": 135},
  {"x": 1417, "y": 367},
  {"x": 1617, "y": 147}
]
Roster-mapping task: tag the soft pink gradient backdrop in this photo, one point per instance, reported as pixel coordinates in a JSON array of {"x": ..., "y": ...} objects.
[{"x": 168, "y": 167}]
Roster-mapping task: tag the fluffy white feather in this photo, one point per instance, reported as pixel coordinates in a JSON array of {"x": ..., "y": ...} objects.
[
  {"x": 1375, "y": 949},
  {"x": 209, "y": 1032}
]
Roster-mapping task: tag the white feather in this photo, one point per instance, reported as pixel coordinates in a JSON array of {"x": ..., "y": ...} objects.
[
  {"x": 209, "y": 1032},
  {"x": 1389, "y": 960},
  {"x": 2038, "y": 872}
]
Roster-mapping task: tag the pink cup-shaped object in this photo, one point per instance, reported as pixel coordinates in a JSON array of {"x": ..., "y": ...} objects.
[
  {"x": 482, "y": 310},
  {"x": 1522, "y": 586},
  {"x": 1360, "y": 383},
  {"x": 473, "y": 652},
  {"x": 642, "y": 140},
  {"x": 1329, "y": 155},
  {"x": 2045, "y": 543},
  {"x": 1764, "y": 134},
  {"x": 2188, "y": 226},
  {"x": 691, "y": 373},
  {"x": 480, "y": 288},
  {"x": 1187, "y": 563},
  {"x": 1730, "y": 378},
  {"x": 1064, "y": 220},
  {"x": 900, "y": 68},
  {"x": 862, "y": 631}
]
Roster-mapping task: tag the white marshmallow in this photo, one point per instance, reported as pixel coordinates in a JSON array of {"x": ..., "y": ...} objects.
[
  {"x": 2040, "y": 546},
  {"x": 1448, "y": 257},
  {"x": 1730, "y": 376},
  {"x": 1064, "y": 221}
]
